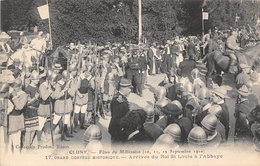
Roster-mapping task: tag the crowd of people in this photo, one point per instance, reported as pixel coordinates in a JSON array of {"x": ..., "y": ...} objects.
[{"x": 36, "y": 96}]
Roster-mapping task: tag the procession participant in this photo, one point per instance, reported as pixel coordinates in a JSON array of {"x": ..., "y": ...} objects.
[
  {"x": 16, "y": 118},
  {"x": 217, "y": 111},
  {"x": 218, "y": 98},
  {"x": 63, "y": 107},
  {"x": 56, "y": 68},
  {"x": 16, "y": 67},
  {"x": 39, "y": 45},
  {"x": 190, "y": 102},
  {"x": 164, "y": 143},
  {"x": 133, "y": 132},
  {"x": 81, "y": 101},
  {"x": 243, "y": 77},
  {"x": 209, "y": 125},
  {"x": 31, "y": 120},
  {"x": 186, "y": 66},
  {"x": 6, "y": 106},
  {"x": 196, "y": 80},
  {"x": 243, "y": 107},
  {"x": 197, "y": 138},
  {"x": 152, "y": 130},
  {"x": 175, "y": 131},
  {"x": 166, "y": 111},
  {"x": 184, "y": 122},
  {"x": 25, "y": 75},
  {"x": 46, "y": 89},
  {"x": 151, "y": 58},
  {"x": 204, "y": 102},
  {"x": 191, "y": 49},
  {"x": 132, "y": 72},
  {"x": 205, "y": 39},
  {"x": 254, "y": 119},
  {"x": 216, "y": 82},
  {"x": 251, "y": 96},
  {"x": 143, "y": 68},
  {"x": 256, "y": 85},
  {"x": 119, "y": 108},
  {"x": 231, "y": 48},
  {"x": 92, "y": 133},
  {"x": 169, "y": 83}
]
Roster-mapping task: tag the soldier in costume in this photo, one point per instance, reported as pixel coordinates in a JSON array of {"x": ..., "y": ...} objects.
[
  {"x": 31, "y": 113},
  {"x": 119, "y": 107},
  {"x": 81, "y": 100},
  {"x": 6, "y": 106},
  {"x": 63, "y": 107},
  {"x": 45, "y": 110},
  {"x": 16, "y": 118},
  {"x": 209, "y": 125}
]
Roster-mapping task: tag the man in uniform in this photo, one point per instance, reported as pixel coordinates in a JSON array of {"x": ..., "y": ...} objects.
[
  {"x": 119, "y": 108},
  {"x": 231, "y": 47},
  {"x": 133, "y": 71}
]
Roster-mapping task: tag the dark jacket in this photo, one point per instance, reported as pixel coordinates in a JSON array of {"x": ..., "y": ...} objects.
[
  {"x": 186, "y": 67},
  {"x": 119, "y": 107}
]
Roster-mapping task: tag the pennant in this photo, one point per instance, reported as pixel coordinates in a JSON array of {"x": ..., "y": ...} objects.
[
  {"x": 44, "y": 11},
  {"x": 205, "y": 16}
]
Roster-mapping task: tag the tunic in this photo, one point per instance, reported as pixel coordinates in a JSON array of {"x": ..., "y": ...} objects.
[
  {"x": 45, "y": 91},
  {"x": 30, "y": 115}
]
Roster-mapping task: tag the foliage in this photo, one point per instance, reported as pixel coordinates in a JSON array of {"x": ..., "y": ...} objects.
[{"x": 117, "y": 20}]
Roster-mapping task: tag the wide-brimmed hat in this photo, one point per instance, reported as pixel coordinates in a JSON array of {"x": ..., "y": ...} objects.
[
  {"x": 125, "y": 83},
  {"x": 17, "y": 60},
  {"x": 4, "y": 35},
  {"x": 57, "y": 66},
  {"x": 254, "y": 76},
  {"x": 220, "y": 91},
  {"x": 243, "y": 91},
  {"x": 243, "y": 66}
]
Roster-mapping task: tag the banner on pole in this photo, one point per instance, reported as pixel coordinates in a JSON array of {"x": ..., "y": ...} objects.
[
  {"x": 205, "y": 16},
  {"x": 44, "y": 11}
]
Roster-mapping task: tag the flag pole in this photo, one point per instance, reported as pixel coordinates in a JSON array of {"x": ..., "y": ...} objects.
[
  {"x": 140, "y": 20},
  {"x": 202, "y": 22},
  {"x": 49, "y": 19}
]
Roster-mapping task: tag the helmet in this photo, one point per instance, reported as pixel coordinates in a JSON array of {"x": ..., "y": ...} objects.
[
  {"x": 162, "y": 102},
  {"x": 210, "y": 122},
  {"x": 177, "y": 103},
  {"x": 34, "y": 75},
  {"x": 93, "y": 132},
  {"x": 195, "y": 73},
  {"x": 197, "y": 136},
  {"x": 188, "y": 87},
  {"x": 149, "y": 111},
  {"x": 52, "y": 77},
  {"x": 174, "y": 130},
  {"x": 94, "y": 146},
  {"x": 160, "y": 92},
  {"x": 72, "y": 67},
  {"x": 203, "y": 93},
  {"x": 4, "y": 87},
  {"x": 65, "y": 75},
  {"x": 165, "y": 139},
  {"x": 216, "y": 110}
]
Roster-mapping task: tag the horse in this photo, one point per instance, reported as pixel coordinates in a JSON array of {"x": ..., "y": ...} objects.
[{"x": 216, "y": 60}]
